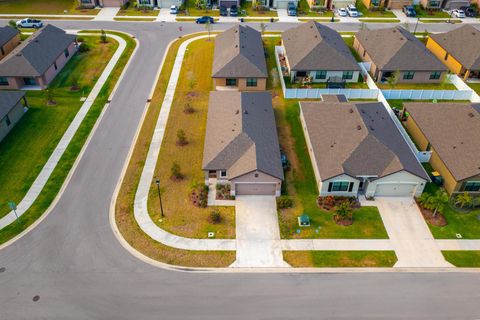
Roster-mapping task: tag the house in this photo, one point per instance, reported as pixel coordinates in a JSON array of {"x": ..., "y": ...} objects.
[
  {"x": 454, "y": 4},
  {"x": 431, "y": 4},
  {"x": 451, "y": 131},
  {"x": 228, "y": 3},
  {"x": 395, "y": 50},
  {"x": 36, "y": 62},
  {"x": 12, "y": 108},
  {"x": 241, "y": 144},
  {"x": 459, "y": 50},
  {"x": 356, "y": 148},
  {"x": 276, "y": 4},
  {"x": 239, "y": 60},
  {"x": 119, "y": 3},
  {"x": 315, "y": 51},
  {"x": 387, "y": 4},
  {"x": 9, "y": 39}
]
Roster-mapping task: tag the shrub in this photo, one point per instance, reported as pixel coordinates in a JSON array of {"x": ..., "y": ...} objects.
[
  {"x": 175, "y": 171},
  {"x": 188, "y": 109},
  {"x": 199, "y": 195},
  {"x": 12, "y": 24},
  {"x": 223, "y": 192},
  {"x": 80, "y": 39},
  {"x": 181, "y": 138},
  {"x": 83, "y": 47},
  {"x": 103, "y": 36},
  {"x": 215, "y": 216},
  {"x": 284, "y": 202}
]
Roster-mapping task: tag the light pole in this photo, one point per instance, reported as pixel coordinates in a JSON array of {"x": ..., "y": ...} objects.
[
  {"x": 416, "y": 25},
  {"x": 157, "y": 181}
]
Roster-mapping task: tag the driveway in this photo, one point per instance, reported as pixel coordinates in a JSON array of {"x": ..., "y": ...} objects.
[
  {"x": 284, "y": 17},
  {"x": 257, "y": 231},
  {"x": 412, "y": 241}
]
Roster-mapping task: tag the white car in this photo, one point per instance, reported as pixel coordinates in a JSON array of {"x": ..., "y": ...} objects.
[
  {"x": 174, "y": 9},
  {"x": 29, "y": 23},
  {"x": 352, "y": 11},
  {"x": 458, "y": 13},
  {"x": 342, "y": 12}
]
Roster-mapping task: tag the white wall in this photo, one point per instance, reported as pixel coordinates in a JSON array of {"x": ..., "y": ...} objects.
[
  {"x": 323, "y": 187},
  {"x": 331, "y": 74},
  {"x": 397, "y": 178}
]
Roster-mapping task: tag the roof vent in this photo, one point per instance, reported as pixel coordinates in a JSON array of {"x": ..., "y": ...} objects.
[
  {"x": 454, "y": 147},
  {"x": 372, "y": 128},
  {"x": 245, "y": 112},
  {"x": 350, "y": 110},
  {"x": 363, "y": 111},
  {"x": 359, "y": 127},
  {"x": 331, "y": 146},
  {"x": 471, "y": 115}
]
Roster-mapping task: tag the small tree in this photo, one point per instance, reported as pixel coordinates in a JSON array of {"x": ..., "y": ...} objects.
[
  {"x": 438, "y": 201},
  {"x": 175, "y": 172},
  {"x": 446, "y": 79},
  {"x": 215, "y": 216},
  {"x": 208, "y": 27},
  {"x": 392, "y": 80},
  {"x": 188, "y": 109},
  {"x": 50, "y": 97},
  {"x": 181, "y": 138},
  {"x": 103, "y": 36},
  {"x": 343, "y": 211},
  {"x": 463, "y": 200}
]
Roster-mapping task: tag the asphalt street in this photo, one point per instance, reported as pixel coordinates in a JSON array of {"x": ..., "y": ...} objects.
[{"x": 75, "y": 265}]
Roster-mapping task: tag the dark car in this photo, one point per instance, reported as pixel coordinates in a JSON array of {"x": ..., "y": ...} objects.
[
  {"x": 292, "y": 9},
  {"x": 469, "y": 11},
  {"x": 234, "y": 11},
  {"x": 204, "y": 19},
  {"x": 409, "y": 11},
  {"x": 223, "y": 11}
]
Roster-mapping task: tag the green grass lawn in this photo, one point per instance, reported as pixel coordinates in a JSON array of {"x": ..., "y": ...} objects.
[
  {"x": 373, "y": 12},
  {"x": 379, "y": 20},
  {"x": 440, "y": 21},
  {"x": 303, "y": 10},
  {"x": 131, "y": 11},
  {"x": 250, "y": 12},
  {"x": 90, "y": 69},
  {"x": 417, "y": 86},
  {"x": 399, "y": 103},
  {"x": 43, "y": 7},
  {"x": 474, "y": 86},
  {"x": 196, "y": 12},
  {"x": 422, "y": 13},
  {"x": 463, "y": 259},
  {"x": 339, "y": 259}
]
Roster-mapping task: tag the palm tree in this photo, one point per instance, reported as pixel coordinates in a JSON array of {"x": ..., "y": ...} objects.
[
  {"x": 438, "y": 201},
  {"x": 344, "y": 211},
  {"x": 464, "y": 199}
]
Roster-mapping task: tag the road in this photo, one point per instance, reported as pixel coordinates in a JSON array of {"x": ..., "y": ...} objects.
[{"x": 76, "y": 267}]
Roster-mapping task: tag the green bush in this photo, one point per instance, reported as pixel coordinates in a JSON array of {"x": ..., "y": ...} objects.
[
  {"x": 284, "y": 202},
  {"x": 83, "y": 47},
  {"x": 215, "y": 216}
]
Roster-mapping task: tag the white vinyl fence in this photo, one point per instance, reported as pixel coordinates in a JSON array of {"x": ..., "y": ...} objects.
[{"x": 427, "y": 94}]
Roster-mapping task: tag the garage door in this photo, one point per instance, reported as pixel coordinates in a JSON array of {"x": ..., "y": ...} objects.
[
  {"x": 255, "y": 189},
  {"x": 282, "y": 4},
  {"x": 395, "y": 190},
  {"x": 112, "y": 3}
]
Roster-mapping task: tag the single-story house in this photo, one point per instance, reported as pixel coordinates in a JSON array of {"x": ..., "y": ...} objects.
[
  {"x": 9, "y": 39},
  {"x": 12, "y": 108},
  {"x": 451, "y": 131},
  {"x": 459, "y": 50},
  {"x": 431, "y": 4},
  {"x": 318, "y": 52},
  {"x": 239, "y": 60},
  {"x": 241, "y": 143},
  {"x": 228, "y": 3},
  {"x": 37, "y": 60},
  {"x": 388, "y": 4},
  {"x": 276, "y": 4},
  {"x": 355, "y": 148},
  {"x": 119, "y": 3},
  {"x": 455, "y": 4},
  {"x": 394, "y": 50}
]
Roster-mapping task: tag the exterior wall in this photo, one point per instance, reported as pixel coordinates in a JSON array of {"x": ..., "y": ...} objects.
[
  {"x": 282, "y": 4},
  {"x": 228, "y": 3},
  {"x": 356, "y": 74},
  {"x": 313, "y": 160},
  {"x": 323, "y": 186},
  {"x": 397, "y": 178},
  {"x": 261, "y": 178},
  {"x": 365, "y": 57},
  {"x": 13, "y": 83},
  {"x": 112, "y": 3},
  {"x": 313, "y": 3},
  {"x": 14, "y": 115},
  {"x": 341, "y": 3},
  {"x": 440, "y": 53},
  {"x": 220, "y": 83},
  {"x": 9, "y": 46},
  {"x": 427, "y": 4},
  {"x": 51, "y": 73},
  {"x": 416, "y": 134}
]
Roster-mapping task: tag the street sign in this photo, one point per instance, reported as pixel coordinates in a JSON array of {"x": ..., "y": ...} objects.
[{"x": 12, "y": 205}]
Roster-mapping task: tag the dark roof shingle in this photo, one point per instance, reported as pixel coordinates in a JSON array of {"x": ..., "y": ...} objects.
[
  {"x": 6, "y": 34},
  {"x": 8, "y": 100}
]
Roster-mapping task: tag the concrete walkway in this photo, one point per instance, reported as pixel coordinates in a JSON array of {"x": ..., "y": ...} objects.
[
  {"x": 284, "y": 17},
  {"x": 257, "y": 232},
  {"x": 337, "y": 244},
  {"x": 107, "y": 14},
  {"x": 37, "y": 186},
  {"x": 165, "y": 16}
]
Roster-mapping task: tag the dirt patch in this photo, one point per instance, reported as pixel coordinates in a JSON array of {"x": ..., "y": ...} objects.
[
  {"x": 437, "y": 220},
  {"x": 341, "y": 221}
]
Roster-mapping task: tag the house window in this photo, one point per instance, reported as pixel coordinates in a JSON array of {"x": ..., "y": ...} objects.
[
  {"x": 7, "y": 120},
  {"x": 3, "y": 81},
  {"x": 319, "y": 75},
  {"x": 347, "y": 75},
  {"x": 66, "y": 53},
  {"x": 435, "y": 75},
  {"x": 251, "y": 82},
  {"x": 472, "y": 186},
  {"x": 408, "y": 75},
  {"x": 340, "y": 186},
  {"x": 223, "y": 173},
  {"x": 55, "y": 65},
  {"x": 87, "y": 1},
  {"x": 434, "y": 3},
  {"x": 3, "y": 51},
  {"x": 144, "y": 2},
  {"x": 231, "y": 82},
  {"x": 29, "y": 81},
  {"x": 446, "y": 56}
]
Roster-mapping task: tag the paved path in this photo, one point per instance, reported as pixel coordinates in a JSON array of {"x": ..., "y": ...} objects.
[
  {"x": 257, "y": 233},
  {"x": 165, "y": 15},
  {"x": 37, "y": 186},
  {"x": 412, "y": 241},
  {"x": 337, "y": 244},
  {"x": 284, "y": 17},
  {"x": 107, "y": 14}
]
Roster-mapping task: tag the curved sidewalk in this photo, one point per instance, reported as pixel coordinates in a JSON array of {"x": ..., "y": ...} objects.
[{"x": 39, "y": 183}]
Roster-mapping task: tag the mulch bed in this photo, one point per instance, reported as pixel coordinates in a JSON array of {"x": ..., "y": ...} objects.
[
  {"x": 437, "y": 220},
  {"x": 342, "y": 222}
]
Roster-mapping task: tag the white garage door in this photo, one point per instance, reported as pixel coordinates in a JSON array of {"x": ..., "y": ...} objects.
[
  {"x": 113, "y": 3},
  {"x": 265, "y": 189},
  {"x": 395, "y": 190}
]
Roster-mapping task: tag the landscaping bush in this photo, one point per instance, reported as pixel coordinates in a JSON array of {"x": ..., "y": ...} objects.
[
  {"x": 176, "y": 173},
  {"x": 199, "y": 195},
  {"x": 215, "y": 216},
  {"x": 83, "y": 47},
  {"x": 330, "y": 202},
  {"x": 188, "y": 109},
  {"x": 103, "y": 36},
  {"x": 80, "y": 39},
  {"x": 343, "y": 214},
  {"x": 284, "y": 202},
  {"x": 181, "y": 138},
  {"x": 223, "y": 192},
  {"x": 431, "y": 206}
]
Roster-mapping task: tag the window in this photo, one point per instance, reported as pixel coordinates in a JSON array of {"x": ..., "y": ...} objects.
[
  {"x": 3, "y": 81},
  {"x": 446, "y": 56},
  {"x": 86, "y": 1},
  {"x": 3, "y": 51},
  {"x": 66, "y": 53},
  {"x": 223, "y": 173},
  {"x": 340, "y": 186},
  {"x": 347, "y": 75},
  {"x": 251, "y": 82},
  {"x": 147, "y": 2},
  {"x": 231, "y": 82},
  {"x": 29, "y": 81},
  {"x": 408, "y": 75},
  {"x": 7, "y": 120},
  {"x": 319, "y": 75},
  {"x": 472, "y": 186},
  {"x": 435, "y": 75},
  {"x": 55, "y": 65}
]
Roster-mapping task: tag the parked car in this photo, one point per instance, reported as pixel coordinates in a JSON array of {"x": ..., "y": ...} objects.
[
  {"x": 234, "y": 11},
  {"x": 352, "y": 11},
  {"x": 409, "y": 11},
  {"x": 292, "y": 9},
  {"x": 342, "y": 12},
  {"x": 223, "y": 11},
  {"x": 458, "y": 13},
  {"x": 29, "y": 23},
  {"x": 469, "y": 11},
  {"x": 173, "y": 9},
  {"x": 204, "y": 19}
]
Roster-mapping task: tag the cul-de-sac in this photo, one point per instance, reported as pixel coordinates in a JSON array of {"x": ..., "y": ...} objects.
[{"x": 239, "y": 159}]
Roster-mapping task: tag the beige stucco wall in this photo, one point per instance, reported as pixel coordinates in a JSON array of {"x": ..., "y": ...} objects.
[
  {"x": 220, "y": 83},
  {"x": 9, "y": 46},
  {"x": 14, "y": 115}
]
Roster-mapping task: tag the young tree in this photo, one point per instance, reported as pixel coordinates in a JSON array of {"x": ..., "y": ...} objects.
[
  {"x": 208, "y": 27},
  {"x": 438, "y": 201},
  {"x": 181, "y": 138},
  {"x": 392, "y": 80},
  {"x": 175, "y": 171},
  {"x": 50, "y": 97},
  {"x": 103, "y": 36},
  {"x": 188, "y": 109},
  {"x": 464, "y": 199}
]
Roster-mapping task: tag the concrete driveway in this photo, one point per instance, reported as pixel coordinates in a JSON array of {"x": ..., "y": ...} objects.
[
  {"x": 412, "y": 241},
  {"x": 257, "y": 231}
]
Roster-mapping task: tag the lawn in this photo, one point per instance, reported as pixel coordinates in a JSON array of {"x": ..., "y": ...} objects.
[
  {"x": 463, "y": 259},
  {"x": 131, "y": 11},
  {"x": 340, "y": 259},
  {"x": 373, "y": 13},
  {"x": 474, "y": 86},
  {"x": 300, "y": 180},
  {"x": 303, "y": 10},
  {"x": 62, "y": 169},
  {"x": 422, "y": 13},
  {"x": 379, "y": 20},
  {"x": 440, "y": 20},
  {"x": 323, "y": 85},
  {"x": 196, "y": 12},
  {"x": 133, "y": 19},
  {"x": 250, "y": 12},
  {"x": 28, "y": 146},
  {"x": 181, "y": 216},
  {"x": 124, "y": 217},
  {"x": 399, "y": 103},
  {"x": 43, "y": 7},
  {"x": 417, "y": 86}
]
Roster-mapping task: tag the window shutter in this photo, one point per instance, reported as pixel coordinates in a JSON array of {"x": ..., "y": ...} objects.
[
  {"x": 330, "y": 186},
  {"x": 350, "y": 187}
]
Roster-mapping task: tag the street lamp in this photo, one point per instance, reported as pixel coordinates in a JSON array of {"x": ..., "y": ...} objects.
[{"x": 157, "y": 181}]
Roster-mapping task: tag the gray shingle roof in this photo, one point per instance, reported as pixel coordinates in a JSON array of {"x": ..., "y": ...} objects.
[
  {"x": 313, "y": 46},
  {"x": 397, "y": 49},
  {"x": 36, "y": 54},
  {"x": 453, "y": 130},
  {"x": 8, "y": 100},
  {"x": 6, "y": 34},
  {"x": 239, "y": 53},
  {"x": 357, "y": 139},
  {"x": 463, "y": 44},
  {"x": 241, "y": 134}
]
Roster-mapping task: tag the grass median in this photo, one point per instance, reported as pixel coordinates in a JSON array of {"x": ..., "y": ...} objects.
[
  {"x": 340, "y": 259},
  {"x": 44, "y": 7}
]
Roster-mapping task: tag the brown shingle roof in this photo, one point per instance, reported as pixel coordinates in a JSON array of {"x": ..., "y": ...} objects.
[
  {"x": 241, "y": 134},
  {"x": 239, "y": 53},
  {"x": 358, "y": 139},
  {"x": 463, "y": 44},
  {"x": 397, "y": 49},
  {"x": 313, "y": 46},
  {"x": 453, "y": 130}
]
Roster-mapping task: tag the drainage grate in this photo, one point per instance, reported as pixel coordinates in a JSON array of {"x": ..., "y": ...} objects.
[
  {"x": 2, "y": 269},
  {"x": 36, "y": 298}
]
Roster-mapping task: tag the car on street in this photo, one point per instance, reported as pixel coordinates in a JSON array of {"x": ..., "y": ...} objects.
[
  {"x": 458, "y": 13},
  {"x": 234, "y": 11},
  {"x": 223, "y": 11},
  {"x": 352, "y": 11},
  {"x": 342, "y": 12},
  {"x": 205, "y": 19},
  {"x": 292, "y": 9},
  {"x": 29, "y": 23},
  {"x": 409, "y": 11},
  {"x": 173, "y": 9},
  {"x": 469, "y": 11}
]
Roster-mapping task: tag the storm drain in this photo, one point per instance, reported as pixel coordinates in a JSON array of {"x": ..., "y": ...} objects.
[
  {"x": 36, "y": 298},
  {"x": 2, "y": 269}
]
